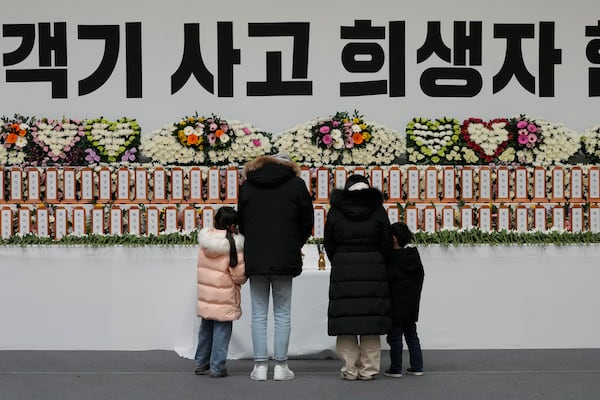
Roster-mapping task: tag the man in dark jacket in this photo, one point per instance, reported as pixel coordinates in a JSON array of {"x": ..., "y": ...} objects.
[
  {"x": 276, "y": 218},
  {"x": 357, "y": 241}
]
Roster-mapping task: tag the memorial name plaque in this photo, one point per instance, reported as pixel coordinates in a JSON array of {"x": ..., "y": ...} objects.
[
  {"x": 60, "y": 222},
  {"x": 141, "y": 185},
  {"x": 305, "y": 175},
  {"x": 2, "y": 199},
  {"x": 176, "y": 185},
  {"x": 503, "y": 218},
  {"x": 576, "y": 218},
  {"x": 339, "y": 177},
  {"x": 104, "y": 185},
  {"x": 539, "y": 218},
  {"x": 79, "y": 220},
  {"x": 558, "y": 218},
  {"x": 231, "y": 185},
  {"x": 6, "y": 222},
  {"x": 69, "y": 186},
  {"x": 521, "y": 219},
  {"x": 448, "y": 217},
  {"x": 411, "y": 214},
  {"x": 594, "y": 218},
  {"x": 485, "y": 219},
  {"x": 558, "y": 184},
  {"x": 123, "y": 185},
  {"x": 16, "y": 185},
  {"x": 51, "y": 185},
  {"x": 97, "y": 221},
  {"x": 431, "y": 184},
  {"x": 485, "y": 184},
  {"x": 152, "y": 221},
  {"x": 413, "y": 185},
  {"x": 521, "y": 184},
  {"x": 159, "y": 194},
  {"x": 429, "y": 222},
  {"x": 33, "y": 187},
  {"x": 134, "y": 221},
  {"x": 576, "y": 192},
  {"x": 395, "y": 184},
  {"x": 43, "y": 222},
  {"x": 214, "y": 185},
  {"x": 322, "y": 185},
  {"x": 594, "y": 184},
  {"x": 195, "y": 176},
  {"x": 539, "y": 184},
  {"x": 319, "y": 225},
  {"x": 189, "y": 219},
  {"x": 466, "y": 217},
  {"x": 503, "y": 184},
  {"x": 466, "y": 184},
  {"x": 393, "y": 214},
  {"x": 116, "y": 221},
  {"x": 24, "y": 221},
  {"x": 171, "y": 220},
  {"x": 377, "y": 179},
  {"x": 87, "y": 185},
  {"x": 208, "y": 216},
  {"x": 449, "y": 185}
]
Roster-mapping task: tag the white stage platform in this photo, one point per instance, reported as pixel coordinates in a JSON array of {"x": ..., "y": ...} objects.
[{"x": 128, "y": 298}]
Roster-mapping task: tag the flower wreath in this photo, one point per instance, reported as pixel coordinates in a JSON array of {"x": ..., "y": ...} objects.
[
  {"x": 58, "y": 141},
  {"x": 487, "y": 139},
  {"x": 433, "y": 142},
  {"x": 112, "y": 141},
  {"x": 15, "y": 136},
  {"x": 590, "y": 144}
]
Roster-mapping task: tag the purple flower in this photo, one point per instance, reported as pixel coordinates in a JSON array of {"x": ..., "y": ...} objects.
[
  {"x": 324, "y": 129},
  {"x": 532, "y": 128},
  {"x": 522, "y": 124}
]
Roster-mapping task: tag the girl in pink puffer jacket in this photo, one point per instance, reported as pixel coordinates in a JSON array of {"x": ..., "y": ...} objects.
[{"x": 221, "y": 272}]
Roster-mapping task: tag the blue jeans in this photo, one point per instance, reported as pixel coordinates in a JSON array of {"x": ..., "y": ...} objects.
[
  {"x": 394, "y": 339},
  {"x": 260, "y": 288},
  {"x": 213, "y": 344}
]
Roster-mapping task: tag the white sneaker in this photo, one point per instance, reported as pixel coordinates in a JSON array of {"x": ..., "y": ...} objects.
[
  {"x": 259, "y": 372},
  {"x": 283, "y": 373}
]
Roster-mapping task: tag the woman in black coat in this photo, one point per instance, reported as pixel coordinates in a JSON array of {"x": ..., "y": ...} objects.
[{"x": 357, "y": 241}]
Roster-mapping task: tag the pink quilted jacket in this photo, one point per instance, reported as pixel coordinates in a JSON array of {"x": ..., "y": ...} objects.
[{"x": 219, "y": 284}]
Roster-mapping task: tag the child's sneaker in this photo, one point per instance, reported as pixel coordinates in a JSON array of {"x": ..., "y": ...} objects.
[
  {"x": 392, "y": 374},
  {"x": 259, "y": 372},
  {"x": 282, "y": 372},
  {"x": 414, "y": 372}
]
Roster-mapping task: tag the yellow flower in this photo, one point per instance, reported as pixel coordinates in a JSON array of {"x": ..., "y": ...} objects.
[
  {"x": 356, "y": 120},
  {"x": 363, "y": 126},
  {"x": 366, "y": 136}
]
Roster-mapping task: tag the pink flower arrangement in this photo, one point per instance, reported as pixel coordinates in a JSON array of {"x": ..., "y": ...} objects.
[{"x": 341, "y": 131}]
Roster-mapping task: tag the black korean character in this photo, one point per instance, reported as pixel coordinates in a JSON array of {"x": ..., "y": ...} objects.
[
  {"x": 363, "y": 30},
  {"x": 514, "y": 65},
  {"x": 49, "y": 43},
  {"x": 463, "y": 42},
  {"x": 275, "y": 85},
  {"x": 193, "y": 64},
  {"x": 133, "y": 58},
  {"x": 592, "y": 52}
]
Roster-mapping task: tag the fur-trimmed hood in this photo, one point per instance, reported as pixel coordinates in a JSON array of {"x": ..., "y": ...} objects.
[
  {"x": 356, "y": 205},
  {"x": 269, "y": 171},
  {"x": 215, "y": 244}
]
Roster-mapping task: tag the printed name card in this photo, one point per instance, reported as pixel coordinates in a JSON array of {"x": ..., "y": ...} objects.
[
  {"x": 448, "y": 217},
  {"x": 594, "y": 184},
  {"x": 485, "y": 184},
  {"x": 521, "y": 184},
  {"x": 116, "y": 221},
  {"x": 97, "y": 215},
  {"x": 377, "y": 179},
  {"x": 16, "y": 184},
  {"x": 521, "y": 219},
  {"x": 466, "y": 184},
  {"x": 558, "y": 218},
  {"x": 159, "y": 194},
  {"x": 2, "y": 199},
  {"x": 503, "y": 218},
  {"x": 141, "y": 185},
  {"x": 176, "y": 185},
  {"x": 449, "y": 186},
  {"x": 431, "y": 183},
  {"x": 305, "y": 175},
  {"x": 43, "y": 222},
  {"x": 51, "y": 185},
  {"x": 231, "y": 185},
  {"x": 6, "y": 222},
  {"x": 413, "y": 187},
  {"x": 576, "y": 178},
  {"x": 189, "y": 219},
  {"x": 134, "y": 221},
  {"x": 411, "y": 216},
  {"x": 319, "y": 225},
  {"x": 395, "y": 184},
  {"x": 214, "y": 185},
  {"x": 576, "y": 218},
  {"x": 466, "y": 217},
  {"x": 171, "y": 224},
  {"x": 485, "y": 219},
  {"x": 60, "y": 222},
  {"x": 104, "y": 185},
  {"x": 208, "y": 216},
  {"x": 152, "y": 221},
  {"x": 393, "y": 214},
  {"x": 539, "y": 218},
  {"x": 195, "y": 177},
  {"x": 69, "y": 186},
  {"x": 539, "y": 184},
  {"x": 322, "y": 185},
  {"x": 24, "y": 221},
  {"x": 558, "y": 184},
  {"x": 429, "y": 222},
  {"x": 87, "y": 185},
  {"x": 79, "y": 221},
  {"x": 339, "y": 177},
  {"x": 359, "y": 171},
  {"x": 33, "y": 185},
  {"x": 503, "y": 184},
  {"x": 594, "y": 218},
  {"x": 122, "y": 185}
]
